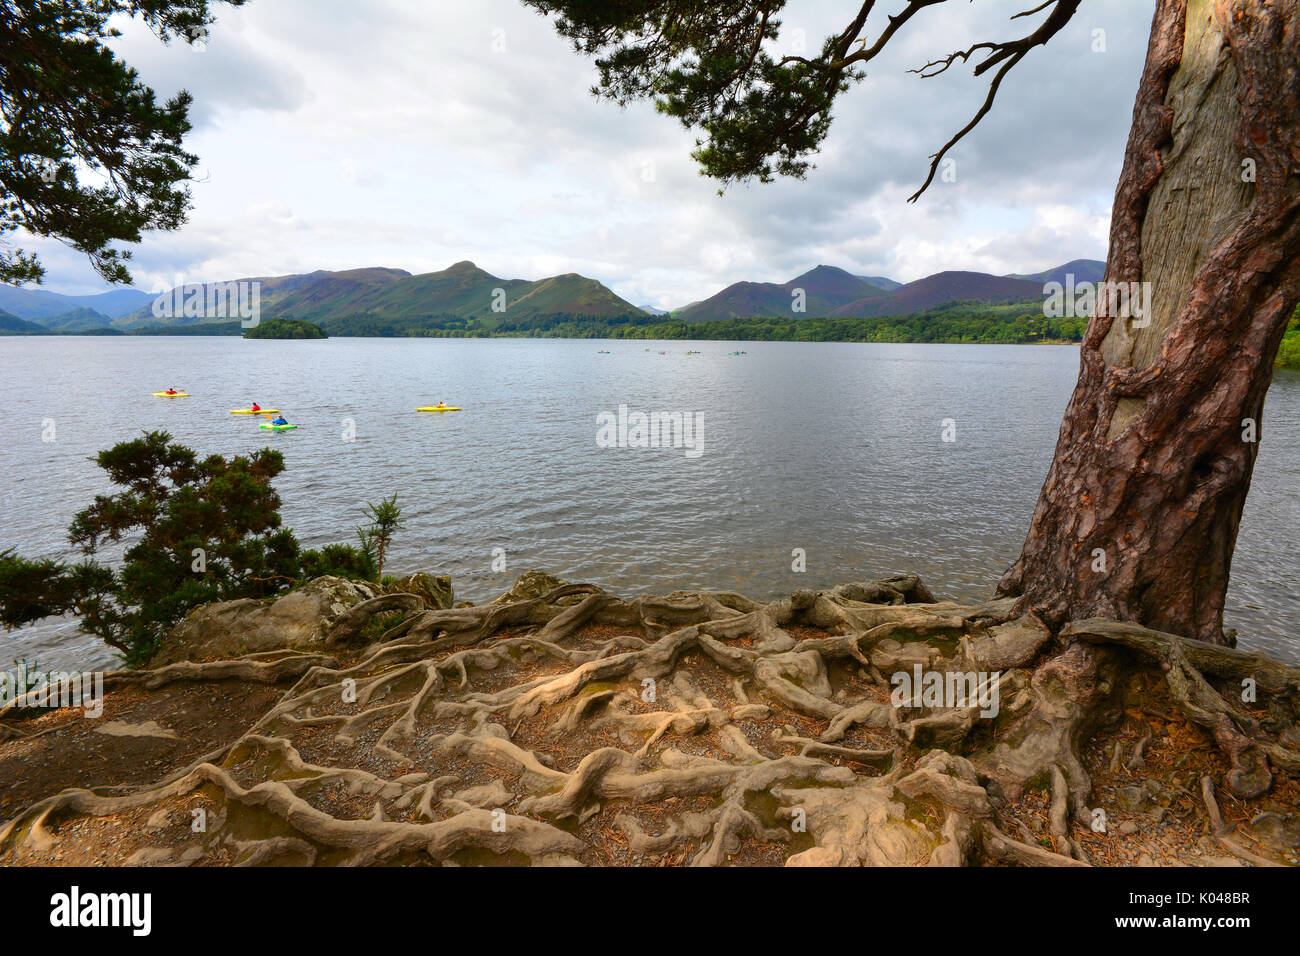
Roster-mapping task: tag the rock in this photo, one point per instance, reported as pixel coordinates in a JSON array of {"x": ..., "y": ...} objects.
[
  {"x": 163, "y": 856},
  {"x": 1132, "y": 799},
  {"x": 120, "y": 728},
  {"x": 1128, "y": 828},
  {"x": 150, "y": 856},
  {"x": 436, "y": 592},
  {"x": 529, "y": 586},
  {"x": 1277, "y": 831},
  {"x": 299, "y": 620}
]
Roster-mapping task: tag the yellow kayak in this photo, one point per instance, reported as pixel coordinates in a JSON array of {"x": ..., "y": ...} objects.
[
  {"x": 255, "y": 411},
  {"x": 439, "y": 408},
  {"x": 172, "y": 394}
]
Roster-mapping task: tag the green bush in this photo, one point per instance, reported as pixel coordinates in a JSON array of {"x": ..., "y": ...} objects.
[
  {"x": 203, "y": 531},
  {"x": 340, "y": 560}
]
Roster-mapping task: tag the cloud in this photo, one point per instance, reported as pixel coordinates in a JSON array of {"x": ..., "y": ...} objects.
[
  {"x": 231, "y": 70},
  {"x": 334, "y": 135}
]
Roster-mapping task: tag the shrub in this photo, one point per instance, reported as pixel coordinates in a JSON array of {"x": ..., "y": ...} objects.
[{"x": 207, "y": 531}]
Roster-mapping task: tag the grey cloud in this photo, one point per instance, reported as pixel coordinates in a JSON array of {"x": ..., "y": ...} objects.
[
  {"x": 224, "y": 73},
  {"x": 505, "y": 158}
]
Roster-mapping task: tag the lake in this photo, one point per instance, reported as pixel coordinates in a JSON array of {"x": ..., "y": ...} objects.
[{"x": 835, "y": 449}]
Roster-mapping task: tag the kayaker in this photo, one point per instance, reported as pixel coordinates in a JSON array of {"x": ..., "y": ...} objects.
[
  {"x": 279, "y": 421},
  {"x": 257, "y": 407}
]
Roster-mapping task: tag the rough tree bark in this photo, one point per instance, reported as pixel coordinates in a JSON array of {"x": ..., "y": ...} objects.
[{"x": 1154, "y": 459}]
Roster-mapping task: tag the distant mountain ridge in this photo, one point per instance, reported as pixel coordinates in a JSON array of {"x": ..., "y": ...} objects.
[
  {"x": 924, "y": 294},
  {"x": 462, "y": 290},
  {"x": 1083, "y": 270},
  {"x": 37, "y": 304},
  {"x": 880, "y": 282},
  {"x": 11, "y": 323},
  {"x": 78, "y": 320},
  {"x": 381, "y": 300},
  {"x": 824, "y": 289},
  {"x": 834, "y": 292}
]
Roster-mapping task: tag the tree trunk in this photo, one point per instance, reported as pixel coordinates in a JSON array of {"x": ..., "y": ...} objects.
[{"x": 1138, "y": 517}]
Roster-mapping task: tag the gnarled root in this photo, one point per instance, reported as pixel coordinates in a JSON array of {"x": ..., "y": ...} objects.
[
  {"x": 699, "y": 728},
  {"x": 1242, "y": 737}
]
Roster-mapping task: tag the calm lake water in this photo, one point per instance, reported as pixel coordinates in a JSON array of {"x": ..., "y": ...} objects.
[{"x": 832, "y": 448}]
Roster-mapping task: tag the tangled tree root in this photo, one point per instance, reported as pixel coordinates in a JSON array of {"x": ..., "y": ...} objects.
[{"x": 699, "y": 728}]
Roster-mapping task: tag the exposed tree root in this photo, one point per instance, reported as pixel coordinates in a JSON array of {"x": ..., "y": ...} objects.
[
  {"x": 698, "y": 728},
  {"x": 1241, "y": 736}
]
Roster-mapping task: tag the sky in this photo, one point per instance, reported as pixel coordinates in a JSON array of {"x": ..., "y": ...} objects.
[{"x": 417, "y": 133}]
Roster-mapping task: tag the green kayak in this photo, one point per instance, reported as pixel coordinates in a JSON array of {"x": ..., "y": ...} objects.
[{"x": 278, "y": 428}]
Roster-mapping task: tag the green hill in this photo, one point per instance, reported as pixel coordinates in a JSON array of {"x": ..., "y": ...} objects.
[
  {"x": 462, "y": 291},
  {"x": 78, "y": 320},
  {"x": 393, "y": 298},
  {"x": 12, "y": 325},
  {"x": 285, "y": 329}
]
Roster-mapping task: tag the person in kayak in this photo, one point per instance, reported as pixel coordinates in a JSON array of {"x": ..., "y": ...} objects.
[
  {"x": 257, "y": 407},
  {"x": 279, "y": 421}
]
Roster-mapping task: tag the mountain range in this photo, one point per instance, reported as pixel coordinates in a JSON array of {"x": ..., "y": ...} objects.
[
  {"x": 833, "y": 292},
  {"x": 465, "y": 296},
  {"x": 1083, "y": 270},
  {"x": 462, "y": 291},
  {"x": 824, "y": 288},
  {"x": 37, "y": 304},
  {"x": 11, "y": 323}
]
